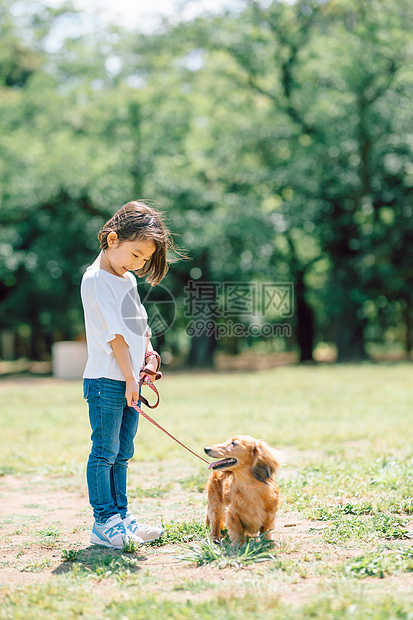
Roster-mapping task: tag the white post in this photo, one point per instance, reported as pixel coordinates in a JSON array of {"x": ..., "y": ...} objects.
[
  {"x": 69, "y": 359},
  {"x": 7, "y": 345}
]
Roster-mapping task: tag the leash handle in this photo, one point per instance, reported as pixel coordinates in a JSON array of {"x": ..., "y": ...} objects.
[{"x": 148, "y": 382}]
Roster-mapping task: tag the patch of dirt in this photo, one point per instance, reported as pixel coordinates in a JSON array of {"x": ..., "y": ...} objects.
[
  {"x": 29, "y": 506},
  {"x": 41, "y": 516}
]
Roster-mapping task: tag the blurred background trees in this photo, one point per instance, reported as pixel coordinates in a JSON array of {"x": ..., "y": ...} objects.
[{"x": 278, "y": 139}]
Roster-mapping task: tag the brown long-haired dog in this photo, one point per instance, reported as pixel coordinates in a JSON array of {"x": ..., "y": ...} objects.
[{"x": 242, "y": 494}]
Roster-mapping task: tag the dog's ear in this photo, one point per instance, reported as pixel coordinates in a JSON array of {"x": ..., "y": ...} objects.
[{"x": 264, "y": 464}]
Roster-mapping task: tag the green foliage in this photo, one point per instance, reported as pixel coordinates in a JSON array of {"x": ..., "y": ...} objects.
[
  {"x": 178, "y": 532},
  {"x": 325, "y": 514},
  {"x": 194, "y": 586},
  {"x": 49, "y": 537},
  {"x": 131, "y": 546},
  {"x": 385, "y": 561},
  {"x": 43, "y": 601},
  {"x": 196, "y": 482},
  {"x": 36, "y": 566},
  {"x": 156, "y": 491},
  {"x": 365, "y": 529},
  {"x": 308, "y": 491},
  {"x": 274, "y": 138},
  {"x": 226, "y": 554},
  {"x": 105, "y": 566},
  {"x": 70, "y": 555},
  {"x": 5, "y": 470}
]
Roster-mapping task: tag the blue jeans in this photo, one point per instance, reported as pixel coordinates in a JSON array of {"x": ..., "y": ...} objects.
[{"x": 114, "y": 426}]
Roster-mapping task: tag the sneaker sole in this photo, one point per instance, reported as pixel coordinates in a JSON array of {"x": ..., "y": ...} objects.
[
  {"x": 149, "y": 540},
  {"x": 95, "y": 540}
]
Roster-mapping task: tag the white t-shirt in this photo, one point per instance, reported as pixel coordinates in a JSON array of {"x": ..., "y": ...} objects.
[{"x": 112, "y": 306}]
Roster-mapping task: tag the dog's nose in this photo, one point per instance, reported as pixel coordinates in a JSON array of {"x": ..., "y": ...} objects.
[{"x": 207, "y": 450}]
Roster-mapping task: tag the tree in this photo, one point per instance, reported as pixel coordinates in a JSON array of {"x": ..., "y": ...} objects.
[
  {"x": 324, "y": 78},
  {"x": 275, "y": 139}
]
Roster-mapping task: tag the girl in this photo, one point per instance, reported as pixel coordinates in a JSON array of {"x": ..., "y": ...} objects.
[{"x": 118, "y": 341}]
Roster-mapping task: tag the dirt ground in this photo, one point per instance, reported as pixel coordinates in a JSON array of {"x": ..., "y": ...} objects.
[{"x": 32, "y": 504}]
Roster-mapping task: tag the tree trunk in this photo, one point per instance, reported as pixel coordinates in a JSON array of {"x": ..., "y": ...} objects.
[
  {"x": 305, "y": 321},
  {"x": 350, "y": 339},
  {"x": 203, "y": 342},
  {"x": 201, "y": 354},
  {"x": 349, "y": 328},
  {"x": 409, "y": 330}
]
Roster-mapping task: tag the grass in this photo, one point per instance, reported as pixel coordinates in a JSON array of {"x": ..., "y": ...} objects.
[
  {"x": 347, "y": 493},
  {"x": 180, "y": 532},
  {"x": 196, "y": 482},
  {"x": 119, "y": 567},
  {"x": 225, "y": 554},
  {"x": 49, "y": 536},
  {"x": 70, "y": 555},
  {"x": 131, "y": 546},
  {"x": 57, "y": 602},
  {"x": 36, "y": 566},
  {"x": 157, "y": 491},
  {"x": 305, "y": 408},
  {"x": 382, "y": 562}
]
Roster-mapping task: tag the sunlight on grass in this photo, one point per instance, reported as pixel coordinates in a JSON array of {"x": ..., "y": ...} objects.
[
  {"x": 347, "y": 490},
  {"x": 178, "y": 532},
  {"x": 304, "y": 408},
  {"x": 38, "y": 602}
]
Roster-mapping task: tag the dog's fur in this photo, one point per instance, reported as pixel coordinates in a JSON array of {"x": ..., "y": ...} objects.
[{"x": 242, "y": 494}]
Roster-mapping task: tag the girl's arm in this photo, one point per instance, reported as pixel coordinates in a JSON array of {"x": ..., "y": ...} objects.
[{"x": 121, "y": 351}]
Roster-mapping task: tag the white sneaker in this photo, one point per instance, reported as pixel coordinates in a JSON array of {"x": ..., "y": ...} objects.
[
  {"x": 113, "y": 534},
  {"x": 145, "y": 532}
]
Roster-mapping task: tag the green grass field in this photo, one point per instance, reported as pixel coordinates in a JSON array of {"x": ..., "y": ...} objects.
[{"x": 344, "y": 532}]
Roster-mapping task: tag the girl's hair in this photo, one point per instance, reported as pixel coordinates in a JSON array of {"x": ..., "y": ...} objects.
[{"x": 136, "y": 220}]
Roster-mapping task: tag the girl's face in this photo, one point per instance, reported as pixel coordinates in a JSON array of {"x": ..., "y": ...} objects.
[{"x": 123, "y": 256}]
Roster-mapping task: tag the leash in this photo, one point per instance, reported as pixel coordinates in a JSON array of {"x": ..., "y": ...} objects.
[{"x": 148, "y": 382}]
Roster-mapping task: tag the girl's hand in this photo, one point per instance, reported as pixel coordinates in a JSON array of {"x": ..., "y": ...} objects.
[
  {"x": 153, "y": 365},
  {"x": 132, "y": 392}
]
